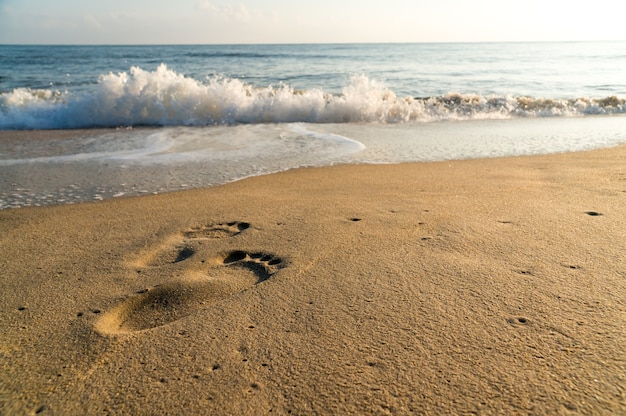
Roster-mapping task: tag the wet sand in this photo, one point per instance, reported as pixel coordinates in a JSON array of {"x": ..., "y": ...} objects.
[{"x": 491, "y": 286}]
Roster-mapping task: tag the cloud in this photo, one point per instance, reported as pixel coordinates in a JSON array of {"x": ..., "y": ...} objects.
[
  {"x": 239, "y": 13},
  {"x": 92, "y": 22},
  {"x": 242, "y": 13},
  {"x": 204, "y": 5}
]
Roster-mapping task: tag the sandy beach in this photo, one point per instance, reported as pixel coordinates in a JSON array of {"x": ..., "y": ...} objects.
[{"x": 492, "y": 286}]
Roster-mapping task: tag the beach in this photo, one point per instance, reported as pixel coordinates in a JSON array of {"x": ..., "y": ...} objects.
[{"x": 487, "y": 286}]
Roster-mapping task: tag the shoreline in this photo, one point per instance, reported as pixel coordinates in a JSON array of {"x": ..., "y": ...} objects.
[
  {"x": 485, "y": 286},
  {"x": 70, "y": 166}
]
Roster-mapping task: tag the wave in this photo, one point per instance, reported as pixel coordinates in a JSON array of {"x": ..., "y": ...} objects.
[{"x": 166, "y": 98}]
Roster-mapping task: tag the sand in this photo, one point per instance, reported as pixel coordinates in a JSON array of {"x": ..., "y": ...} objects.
[{"x": 492, "y": 286}]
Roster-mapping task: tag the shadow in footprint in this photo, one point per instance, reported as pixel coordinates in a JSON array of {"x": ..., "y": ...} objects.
[
  {"x": 175, "y": 300},
  {"x": 178, "y": 247},
  {"x": 263, "y": 265},
  {"x": 166, "y": 255},
  {"x": 593, "y": 214},
  {"x": 183, "y": 254},
  {"x": 164, "y": 304}
]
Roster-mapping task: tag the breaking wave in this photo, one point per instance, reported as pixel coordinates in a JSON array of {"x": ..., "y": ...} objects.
[{"x": 166, "y": 98}]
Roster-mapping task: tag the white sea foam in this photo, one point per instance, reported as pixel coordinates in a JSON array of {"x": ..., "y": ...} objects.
[
  {"x": 166, "y": 98},
  {"x": 153, "y": 160},
  {"x": 246, "y": 142}
]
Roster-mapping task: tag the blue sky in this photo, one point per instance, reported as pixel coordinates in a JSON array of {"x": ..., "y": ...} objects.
[{"x": 310, "y": 21}]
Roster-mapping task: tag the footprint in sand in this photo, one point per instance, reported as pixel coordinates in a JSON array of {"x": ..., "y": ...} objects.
[
  {"x": 229, "y": 273},
  {"x": 180, "y": 246},
  {"x": 222, "y": 230},
  {"x": 175, "y": 300},
  {"x": 263, "y": 265}
]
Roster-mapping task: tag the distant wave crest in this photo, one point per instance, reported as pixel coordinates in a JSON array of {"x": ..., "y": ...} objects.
[{"x": 166, "y": 98}]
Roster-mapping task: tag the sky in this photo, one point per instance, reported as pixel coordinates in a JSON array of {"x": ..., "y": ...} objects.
[{"x": 306, "y": 21}]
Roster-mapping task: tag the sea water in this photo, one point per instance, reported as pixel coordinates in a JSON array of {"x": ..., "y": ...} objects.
[{"x": 161, "y": 118}]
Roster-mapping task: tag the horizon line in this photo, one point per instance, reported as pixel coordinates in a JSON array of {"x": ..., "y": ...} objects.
[{"x": 310, "y": 43}]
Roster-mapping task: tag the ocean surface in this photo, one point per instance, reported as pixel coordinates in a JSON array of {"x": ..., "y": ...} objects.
[{"x": 130, "y": 120}]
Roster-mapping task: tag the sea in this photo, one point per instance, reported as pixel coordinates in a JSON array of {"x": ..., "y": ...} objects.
[{"x": 84, "y": 123}]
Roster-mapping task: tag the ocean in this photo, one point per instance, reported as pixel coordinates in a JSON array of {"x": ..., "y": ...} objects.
[{"x": 130, "y": 120}]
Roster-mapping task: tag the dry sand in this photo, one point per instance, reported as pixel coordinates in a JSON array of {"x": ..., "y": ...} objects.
[{"x": 468, "y": 287}]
